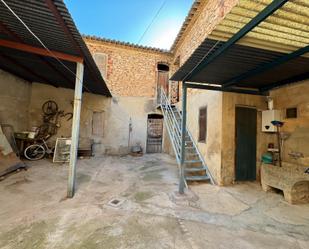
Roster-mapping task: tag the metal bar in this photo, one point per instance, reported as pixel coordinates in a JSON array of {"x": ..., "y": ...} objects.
[
  {"x": 269, "y": 10},
  {"x": 293, "y": 79},
  {"x": 75, "y": 128},
  {"x": 267, "y": 66},
  {"x": 217, "y": 88},
  {"x": 183, "y": 139},
  {"x": 40, "y": 51}
]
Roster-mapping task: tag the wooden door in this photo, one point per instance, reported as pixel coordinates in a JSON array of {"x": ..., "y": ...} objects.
[
  {"x": 154, "y": 134},
  {"x": 162, "y": 83},
  {"x": 246, "y": 125}
]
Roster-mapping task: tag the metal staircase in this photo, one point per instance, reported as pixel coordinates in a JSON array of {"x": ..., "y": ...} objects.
[{"x": 195, "y": 168}]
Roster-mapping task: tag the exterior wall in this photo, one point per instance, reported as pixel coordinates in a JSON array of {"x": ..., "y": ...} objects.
[
  {"x": 64, "y": 98},
  {"x": 230, "y": 101},
  {"x": 130, "y": 71},
  {"x": 132, "y": 79},
  {"x": 296, "y": 95},
  {"x": 14, "y": 101},
  {"x": 121, "y": 112},
  {"x": 210, "y": 14},
  {"x": 211, "y": 150}
]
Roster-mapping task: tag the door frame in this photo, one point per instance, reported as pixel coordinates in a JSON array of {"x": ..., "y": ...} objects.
[
  {"x": 235, "y": 141},
  {"x": 160, "y": 117}
]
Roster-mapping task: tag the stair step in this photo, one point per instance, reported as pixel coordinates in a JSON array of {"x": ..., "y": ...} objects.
[
  {"x": 193, "y": 161},
  {"x": 197, "y": 178},
  {"x": 195, "y": 169}
]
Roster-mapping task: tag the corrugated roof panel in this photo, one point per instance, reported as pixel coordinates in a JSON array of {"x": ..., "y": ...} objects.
[
  {"x": 285, "y": 31},
  {"x": 54, "y": 26}
]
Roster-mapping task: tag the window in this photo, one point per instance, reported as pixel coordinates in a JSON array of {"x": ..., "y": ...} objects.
[
  {"x": 202, "y": 120},
  {"x": 101, "y": 61},
  {"x": 291, "y": 112},
  {"x": 97, "y": 123}
]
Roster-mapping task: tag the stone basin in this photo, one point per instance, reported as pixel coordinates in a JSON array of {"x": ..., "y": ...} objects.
[{"x": 290, "y": 178}]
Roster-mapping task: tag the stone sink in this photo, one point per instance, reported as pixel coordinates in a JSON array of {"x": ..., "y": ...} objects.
[{"x": 290, "y": 178}]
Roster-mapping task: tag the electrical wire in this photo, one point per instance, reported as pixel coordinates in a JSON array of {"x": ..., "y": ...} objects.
[
  {"x": 152, "y": 21},
  {"x": 43, "y": 45}
]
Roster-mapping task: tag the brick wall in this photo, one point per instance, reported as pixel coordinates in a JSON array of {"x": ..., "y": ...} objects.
[{"x": 130, "y": 71}]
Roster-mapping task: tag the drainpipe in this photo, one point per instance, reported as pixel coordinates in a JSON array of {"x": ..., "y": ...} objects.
[
  {"x": 75, "y": 128},
  {"x": 183, "y": 139}
]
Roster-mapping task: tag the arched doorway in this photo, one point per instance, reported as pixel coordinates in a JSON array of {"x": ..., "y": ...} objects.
[
  {"x": 154, "y": 133},
  {"x": 162, "y": 80}
]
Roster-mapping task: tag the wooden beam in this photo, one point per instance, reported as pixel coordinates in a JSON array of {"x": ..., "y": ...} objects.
[
  {"x": 16, "y": 38},
  {"x": 40, "y": 51}
]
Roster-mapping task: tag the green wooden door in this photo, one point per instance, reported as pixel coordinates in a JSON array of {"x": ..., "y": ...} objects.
[{"x": 246, "y": 124}]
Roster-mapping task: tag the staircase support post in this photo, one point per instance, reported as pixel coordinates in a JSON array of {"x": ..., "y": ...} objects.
[{"x": 183, "y": 139}]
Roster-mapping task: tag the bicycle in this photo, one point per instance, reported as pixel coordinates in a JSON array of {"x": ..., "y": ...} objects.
[{"x": 38, "y": 151}]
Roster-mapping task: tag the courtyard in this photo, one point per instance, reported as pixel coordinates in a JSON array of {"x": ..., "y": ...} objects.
[{"x": 130, "y": 202}]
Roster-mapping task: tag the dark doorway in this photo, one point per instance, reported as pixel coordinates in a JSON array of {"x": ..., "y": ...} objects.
[
  {"x": 154, "y": 133},
  {"x": 246, "y": 125},
  {"x": 162, "y": 80}
]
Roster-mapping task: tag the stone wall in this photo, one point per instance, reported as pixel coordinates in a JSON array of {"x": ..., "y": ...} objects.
[
  {"x": 296, "y": 95},
  {"x": 130, "y": 71},
  {"x": 14, "y": 101},
  {"x": 210, "y": 13}
]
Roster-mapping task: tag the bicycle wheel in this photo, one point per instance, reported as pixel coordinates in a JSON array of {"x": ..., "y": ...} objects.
[
  {"x": 50, "y": 107},
  {"x": 34, "y": 152}
]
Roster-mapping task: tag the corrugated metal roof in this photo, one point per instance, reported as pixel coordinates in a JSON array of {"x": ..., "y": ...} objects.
[
  {"x": 126, "y": 44},
  {"x": 52, "y": 23},
  {"x": 285, "y": 31}
]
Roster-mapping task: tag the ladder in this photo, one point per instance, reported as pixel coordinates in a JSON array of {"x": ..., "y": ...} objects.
[{"x": 195, "y": 166}]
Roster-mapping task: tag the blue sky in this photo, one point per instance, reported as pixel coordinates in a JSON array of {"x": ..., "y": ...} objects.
[{"x": 126, "y": 20}]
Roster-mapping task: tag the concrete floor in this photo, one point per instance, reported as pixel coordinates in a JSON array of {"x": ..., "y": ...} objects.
[{"x": 34, "y": 212}]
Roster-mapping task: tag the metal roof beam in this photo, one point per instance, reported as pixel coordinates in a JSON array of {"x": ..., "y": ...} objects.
[
  {"x": 293, "y": 79},
  {"x": 269, "y": 10},
  {"x": 39, "y": 51},
  {"x": 266, "y": 66},
  {"x": 217, "y": 88}
]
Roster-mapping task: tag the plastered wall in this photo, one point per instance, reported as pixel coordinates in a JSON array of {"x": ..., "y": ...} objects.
[
  {"x": 296, "y": 95},
  {"x": 230, "y": 101},
  {"x": 14, "y": 101},
  {"x": 211, "y": 149},
  {"x": 117, "y": 113}
]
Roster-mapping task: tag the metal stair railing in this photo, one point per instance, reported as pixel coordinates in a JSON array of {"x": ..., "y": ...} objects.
[
  {"x": 198, "y": 152},
  {"x": 172, "y": 125}
]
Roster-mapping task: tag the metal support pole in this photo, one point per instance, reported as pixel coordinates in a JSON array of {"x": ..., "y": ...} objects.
[
  {"x": 75, "y": 128},
  {"x": 183, "y": 138}
]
